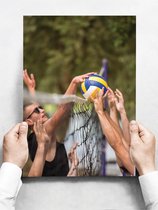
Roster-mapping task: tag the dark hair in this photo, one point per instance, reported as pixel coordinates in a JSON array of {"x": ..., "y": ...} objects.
[{"x": 24, "y": 107}]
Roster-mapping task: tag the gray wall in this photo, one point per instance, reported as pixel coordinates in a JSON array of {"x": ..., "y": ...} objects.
[{"x": 78, "y": 193}]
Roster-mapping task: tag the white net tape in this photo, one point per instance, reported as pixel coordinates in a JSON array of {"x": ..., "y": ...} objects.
[{"x": 47, "y": 98}]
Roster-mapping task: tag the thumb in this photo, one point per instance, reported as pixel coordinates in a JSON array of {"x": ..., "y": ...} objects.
[
  {"x": 23, "y": 129},
  {"x": 145, "y": 134},
  {"x": 134, "y": 131}
]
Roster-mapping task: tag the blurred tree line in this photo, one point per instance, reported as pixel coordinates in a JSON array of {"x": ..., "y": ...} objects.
[{"x": 57, "y": 48}]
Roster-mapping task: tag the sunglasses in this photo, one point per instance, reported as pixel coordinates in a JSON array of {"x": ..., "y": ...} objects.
[{"x": 36, "y": 110}]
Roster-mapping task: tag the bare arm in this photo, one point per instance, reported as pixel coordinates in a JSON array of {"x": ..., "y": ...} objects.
[
  {"x": 114, "y": 115},
  {"x": 119, "y": 101},
  {"x": 64, "y": 110},
  {"x": 112, "y": 106},
  {"x": 43, "y": 142},
  {"x": 114, "y": 137}
]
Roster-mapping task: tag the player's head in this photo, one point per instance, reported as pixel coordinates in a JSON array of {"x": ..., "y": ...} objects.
[{"x": 33, "y": 112}]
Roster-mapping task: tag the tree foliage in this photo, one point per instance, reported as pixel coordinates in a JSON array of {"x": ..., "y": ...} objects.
[{"x": 57, "y": 48}]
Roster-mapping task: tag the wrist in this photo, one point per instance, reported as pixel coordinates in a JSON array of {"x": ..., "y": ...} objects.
[
  {"x": 42, "y": 145},
  {"x": 122, "y": 112},
  {"x": 100, "y": 112},
  {"x": 31, "y": 90},
  {"x": 74, "y": 81},
  {"x": 112, "y": 107}
]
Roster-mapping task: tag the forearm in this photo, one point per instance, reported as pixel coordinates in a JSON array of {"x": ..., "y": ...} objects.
[
  {"x": 116, "y": 126},
  {"x": 125, "y": 160},
  {"x": 125, "y": 126},
  {"x": 39, "y": 161},
  {"x": 115, "y": 140},
  {"x": 114, "y": 116},
  {"x": 109, "y": 130},
  {"x": 71, "y": 88},
  {"x": 62, "y": 113}
]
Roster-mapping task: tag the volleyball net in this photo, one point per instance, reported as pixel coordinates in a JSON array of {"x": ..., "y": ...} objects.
[{"x": 84, "y": 128}]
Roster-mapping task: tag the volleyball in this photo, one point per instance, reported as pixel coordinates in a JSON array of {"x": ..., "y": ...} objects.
[{"x": 93, "y": 84}]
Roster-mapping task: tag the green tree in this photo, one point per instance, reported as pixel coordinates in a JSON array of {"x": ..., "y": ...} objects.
[{"x": 56, "y": 48}]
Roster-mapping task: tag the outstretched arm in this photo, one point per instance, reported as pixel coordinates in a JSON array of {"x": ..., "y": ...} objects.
[
  {"x": 119, "y": 101},
  {"x": 64, "y": 110},
  {"x": 112, "y": 106},
  {"x": 114, "y": 116},
  {"x": 112, "y": 133},
  {"x": 43, "y": 141},
  {"x": 29, "y": 81}
]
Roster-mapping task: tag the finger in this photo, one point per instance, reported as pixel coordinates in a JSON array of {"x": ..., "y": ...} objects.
[
  {"x": 142, "y": 128},
  {"x": 100, "y": 93},
  {"x": 35, "y": 127},
  {"x": 134, "y": 131},
  {"x": 87, "y": 75},
  {"x": 25, "y": 71},
  {"x": 40, "y": 118},
  {"x": 39, "y": 126},
  {"x": 23, "y": 129},
  {"x": 144, "y": 132},
  {"x": 106, "y": 94},
  {"x": 91, "y": 99},
  {"x": 76, "y": 161},
  {"x": 32, "y": 77},
  {"x": 110, "y": 90},
  {"x": 26, "y": 74},
  {"x": 90, "y": 73},
  {"x": 69, "y": 155},
  {"x": 118, "y": 95},
  {"x": 119, "y": 92},
  {"x": 75, "y": 146},
  {"x": 71, "y": 150}
]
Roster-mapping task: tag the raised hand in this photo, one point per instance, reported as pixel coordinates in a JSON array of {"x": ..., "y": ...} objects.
[
  {"x": 111, "y": 98},
  {"x": 43, "y": 141},
  {"x": 119, "y": 101},
  {"x": 74, "y": 160},
  {"x": 73, "y": 155},
  {"x": 41, "y": 134},
  {"x": 81, "y": 78},
  {"x": 29, "y": 81},
  {"x": 98, "y": 101}
]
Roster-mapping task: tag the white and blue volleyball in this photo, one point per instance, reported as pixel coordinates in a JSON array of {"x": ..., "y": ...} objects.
[{"x": 93, "y": 84}]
